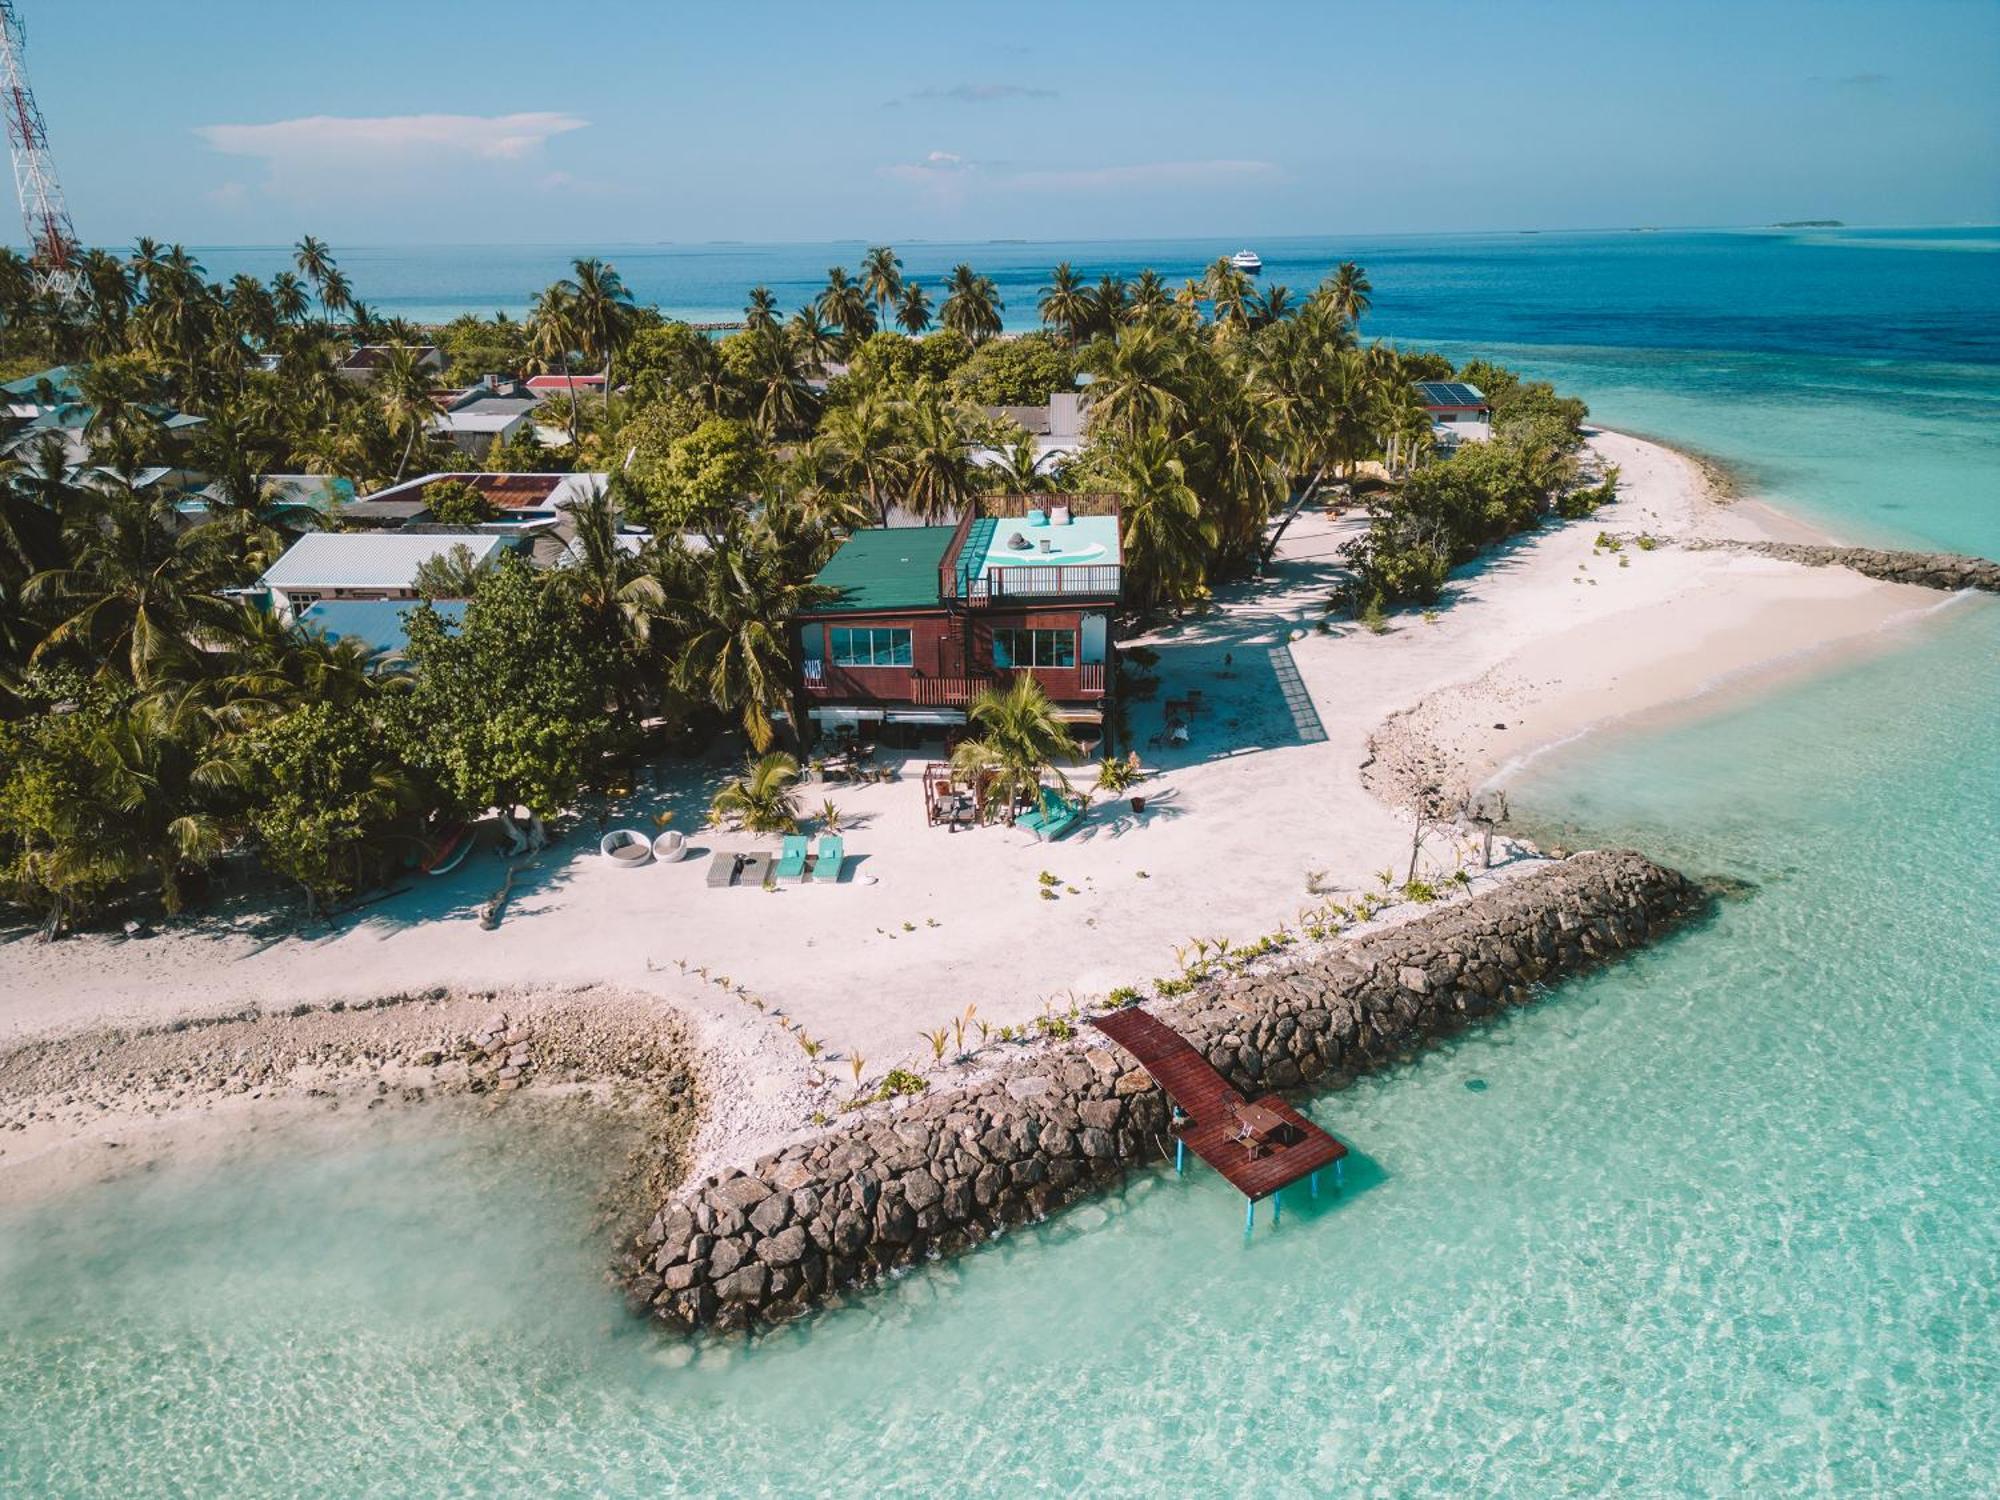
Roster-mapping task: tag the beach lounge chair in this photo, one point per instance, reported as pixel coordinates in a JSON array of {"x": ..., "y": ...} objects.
[
  {"x": 1052, "y": 816},
  {"x": 791, "y": 863},
  {"x": 832, "y": 854}
]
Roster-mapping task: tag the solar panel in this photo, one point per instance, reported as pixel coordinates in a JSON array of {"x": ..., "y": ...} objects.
[{"x": 1449, "y": 393}]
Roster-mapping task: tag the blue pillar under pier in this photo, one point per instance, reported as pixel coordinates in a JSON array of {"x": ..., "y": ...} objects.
[
  {"x": 1313, "y": 1183},
  {"x": 1180, "y": 1155},
  {"x": 1277, "y": 1207},
  {"x": 1249, "y": 1214}
]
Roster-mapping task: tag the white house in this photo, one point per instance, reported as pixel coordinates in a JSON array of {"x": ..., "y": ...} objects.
[{"x": 365, "y": 565}]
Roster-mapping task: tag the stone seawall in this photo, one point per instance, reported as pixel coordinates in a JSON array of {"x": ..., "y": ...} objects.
[
  {"x": 947, "y": 1169},
  {"x": 1931, "y": 570}
]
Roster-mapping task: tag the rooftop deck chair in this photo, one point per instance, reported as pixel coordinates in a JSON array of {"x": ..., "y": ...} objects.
[
  {"x": 791, "y": 863},
  {"x": 832, "y": 854}
]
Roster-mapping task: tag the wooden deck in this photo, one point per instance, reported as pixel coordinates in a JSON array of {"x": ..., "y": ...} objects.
[{"x": 1299, "y": 1149}]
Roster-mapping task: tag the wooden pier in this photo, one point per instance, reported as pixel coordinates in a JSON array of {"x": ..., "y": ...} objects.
[{"x": 1260, "y": 1146}]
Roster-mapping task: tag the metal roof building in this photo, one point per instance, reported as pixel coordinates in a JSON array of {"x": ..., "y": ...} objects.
[{"x": 380, "y": 565}]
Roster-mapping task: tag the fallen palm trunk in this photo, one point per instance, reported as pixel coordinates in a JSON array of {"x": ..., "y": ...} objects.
[{"x": 949, "y": 1169}]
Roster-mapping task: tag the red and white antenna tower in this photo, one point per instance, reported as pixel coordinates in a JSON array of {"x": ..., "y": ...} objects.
[{"x": 52, "y": 248}]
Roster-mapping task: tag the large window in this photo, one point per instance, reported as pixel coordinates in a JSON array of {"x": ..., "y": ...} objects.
[
  {"x": 1034, "y": 648},
  {"x": 870, "y": 648}
]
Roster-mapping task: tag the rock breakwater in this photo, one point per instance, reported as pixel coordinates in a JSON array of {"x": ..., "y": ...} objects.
[
  {"x": 1932, "y": 570},
  {"x": 948, "y": 1169}
]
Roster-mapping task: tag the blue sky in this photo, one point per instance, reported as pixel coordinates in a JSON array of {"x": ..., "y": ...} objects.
[{"x": 228, "y": 121}]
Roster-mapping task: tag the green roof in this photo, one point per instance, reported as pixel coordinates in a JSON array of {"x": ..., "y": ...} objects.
[{"x": 886, "y": 567}]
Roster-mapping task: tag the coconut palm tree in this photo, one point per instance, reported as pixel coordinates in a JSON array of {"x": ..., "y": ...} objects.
[
  {"x": 1230, "y": 294},
  {"x": 763, "y": 799},
  {"x": 811, "y": 343},
  {"x": 733, "y": 627},
  {"x": 862, "y": 443},
  {"x": 913, "y": 309},
  {"x": 1349, "y": 291},
  {"x": 972, "y": 304},
  {"x": 153, "y": 782},
  {"x": 553, "y": 335},
  {"x": 288, "y": 296},
  {"x": 1150, "y": 297},
  {"x": 1136, "y": 378},
  {"x": 782, "y": 403},
  {"x": 314, "y": 260},
  {"x": 882, "y": 279},
  {"x": 139, "y": 593},
  {"x": 402, "y": 387},
  {"x": 936, "y": 469},
  {"x": 1019, "y": 741},
  {"x": 1109, "y": 301},
  {"x": 336, "y": 296},
  {"x": 1065, "y": 305},
  {"x": 844, "y": 305},
  {"x": 1165, "y": 538},
  {"x": 761, "y": 311},
  {"x": 1023, "y": 469},
  {"x": 601, "y": 311}
]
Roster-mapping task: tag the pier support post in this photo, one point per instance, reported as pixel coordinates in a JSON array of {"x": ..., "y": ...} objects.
[
  {"x": 1180, "y": 1155},
  {"x": 1277, "y": 1207},
  {"x": 1339, "y": 1173},
  {"x": 1313, "y": 1183},
  {"x": 1249, "y": 1214}
]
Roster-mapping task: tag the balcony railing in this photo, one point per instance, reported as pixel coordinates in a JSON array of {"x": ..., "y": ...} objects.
[
  {"x": 937, "y": 692},
  {"x": 1046, "y": 581}
]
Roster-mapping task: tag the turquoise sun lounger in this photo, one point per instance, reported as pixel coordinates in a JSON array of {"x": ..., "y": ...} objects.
[
  {"x": 832, "y": 854},
  {"x": 791, "y": 863}
]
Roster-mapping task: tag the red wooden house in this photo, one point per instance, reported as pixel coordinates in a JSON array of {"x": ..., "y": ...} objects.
[{"x": 926, "y": 617}]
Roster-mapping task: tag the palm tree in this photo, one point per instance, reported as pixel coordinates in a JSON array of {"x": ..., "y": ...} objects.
[
  {"x": 288, "y": 296},
  {"x": 151, "y": 781},
  {"x": 1230, "y": 293},
  {"x": 844, "y": 305},
  {"x": 1065, "y": 305},
  {"x": 937, "y": 471},
  {"x": 972, "y": 304},
  {"x": 1108, "y": 303},
  {"x": 1023, "y": 469},
  {"x": 862, "y": 441},
  {"x": 602, "y": 313},
  {"x": 552, "y": 336},
  {"x": 1020, "y": 740},
  {"x": 618, "y": 597},
  {"x": 882, "y": 279},
  {"x": 314, "y": 260},
  {"x": 403, "y": 388},
  {"x": 139, "y": 592},
  {"x": 763, "y": 799},
  {"x": 1136, "y": 378},
  {"x": 1273, "y": 306},
  {"x": 761, "y": 311},
  {"x": 913, "y": 309},
  {"x": 1165, "y": 537},
  {"x": 782, "y": 402},
  {"x": 336, "y": 296},
  {"x": 810, "y": 341},
  {"x": 1149, "y": 296},
  {"x": 1349, "y": 291},
  {"x": 734, "y": 624}
]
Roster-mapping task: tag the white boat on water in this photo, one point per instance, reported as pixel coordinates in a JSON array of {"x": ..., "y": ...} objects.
[{"x": 1249, "y": 262}]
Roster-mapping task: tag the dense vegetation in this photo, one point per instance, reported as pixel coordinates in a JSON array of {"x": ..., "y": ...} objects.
[{"x": 153, "y": 724}]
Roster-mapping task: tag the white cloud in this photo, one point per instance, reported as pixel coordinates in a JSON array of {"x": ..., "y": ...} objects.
[
  {"x": 934, "y": 168},
  {"x": 318, "y": 144}
]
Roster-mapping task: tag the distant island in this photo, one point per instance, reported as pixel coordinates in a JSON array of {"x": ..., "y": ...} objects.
[{"x": 1809, "y": 224}]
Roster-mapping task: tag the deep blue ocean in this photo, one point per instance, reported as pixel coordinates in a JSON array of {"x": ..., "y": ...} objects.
[{"x": 1724, "y": 1220}]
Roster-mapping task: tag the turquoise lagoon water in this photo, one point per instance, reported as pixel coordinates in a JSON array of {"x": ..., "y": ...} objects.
[{"x": 1724, "y": 1220}]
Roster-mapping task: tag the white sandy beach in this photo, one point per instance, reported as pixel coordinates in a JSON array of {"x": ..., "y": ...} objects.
[{"x": 1542, "y": 642}]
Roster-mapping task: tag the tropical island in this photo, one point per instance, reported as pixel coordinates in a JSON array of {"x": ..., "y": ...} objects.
[{"x": 879, "y": 690}]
